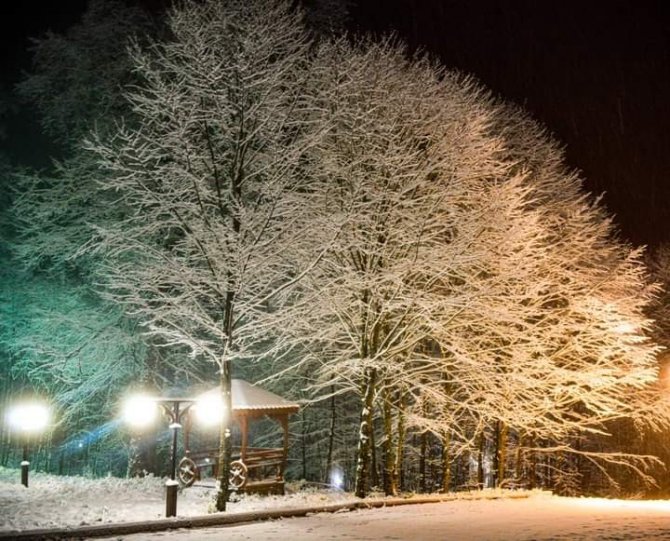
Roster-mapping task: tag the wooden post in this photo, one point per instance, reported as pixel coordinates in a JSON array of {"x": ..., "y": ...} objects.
[
  {"x": 284, "y": 424},
  {"x": 244, "y": 428}
]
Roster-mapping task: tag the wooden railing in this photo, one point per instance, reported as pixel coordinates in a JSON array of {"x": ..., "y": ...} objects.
[{"x": 264, "y": 467}]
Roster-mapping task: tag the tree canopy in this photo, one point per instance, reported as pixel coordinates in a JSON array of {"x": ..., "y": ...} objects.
[{"x": 367, "y": 224}]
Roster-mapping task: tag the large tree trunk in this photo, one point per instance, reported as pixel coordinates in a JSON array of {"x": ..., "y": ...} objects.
[
  {"x": 400, "y": 445},
  {"x": 331, "y": 437},
  {"x": 225, "y": 441},
  {"x": 390, "y": 488},
  {"x": 364, "y": 436},
  {"x": 446, "y": 461},
  {"x": 500, "y": 455}
]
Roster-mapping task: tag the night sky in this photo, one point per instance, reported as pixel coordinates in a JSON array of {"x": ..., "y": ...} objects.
[{"x": 596, "y": 73}]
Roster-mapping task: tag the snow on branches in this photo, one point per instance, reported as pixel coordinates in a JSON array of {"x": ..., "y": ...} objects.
[{"x": 371, "y": 221}]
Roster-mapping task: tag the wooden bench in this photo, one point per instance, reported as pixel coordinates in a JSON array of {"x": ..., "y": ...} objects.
[{"x": 261, "y": 469}]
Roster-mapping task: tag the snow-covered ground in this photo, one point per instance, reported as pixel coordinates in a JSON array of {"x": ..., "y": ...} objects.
[
  {"x": 538, "y": 518},
  {"x": 53, "y": 501}
]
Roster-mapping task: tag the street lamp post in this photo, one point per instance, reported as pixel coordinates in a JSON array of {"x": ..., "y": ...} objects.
[
  {"x": 141, "y": 411},
  {"x": 25, "y": 464},
  {"x": 172, "y": 408},
  {"x": 27, "y": 418}
]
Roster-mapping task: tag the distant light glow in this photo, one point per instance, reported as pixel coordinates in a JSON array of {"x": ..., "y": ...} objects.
[
  {"x": 337, "y": 477},
  {"x": 139, "y": 411},
  {"x": 625, "y": 328},
  {"x": 209, "y": 408},
  {"x": 29, "y": 417}
]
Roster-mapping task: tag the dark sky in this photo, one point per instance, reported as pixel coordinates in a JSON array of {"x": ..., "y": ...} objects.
[
  {"x": 21, "y": 20},
  {"x": 595, "y": 72}
]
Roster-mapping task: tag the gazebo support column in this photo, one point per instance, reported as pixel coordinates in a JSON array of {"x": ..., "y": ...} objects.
[{"x": 244, "y": 428}]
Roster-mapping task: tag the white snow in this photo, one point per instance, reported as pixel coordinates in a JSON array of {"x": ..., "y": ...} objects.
[
  {"x": 59, "y": 501},
  {"x": 537, "y": 518},
  {"x": 52, "y": 501}
]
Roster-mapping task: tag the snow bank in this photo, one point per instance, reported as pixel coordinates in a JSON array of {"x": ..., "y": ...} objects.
[{"x": 59, "y": 501}]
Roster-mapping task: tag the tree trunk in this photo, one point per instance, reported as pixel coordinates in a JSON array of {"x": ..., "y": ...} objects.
[
  {"x": 331, "y": 437},
  {"x": 303, "y": 442},
  {"x": 422, "y": 461},
  {"x": 374, "y": 468},
  {"x": 225, "y": 441},
  {"x": 519, "y": 459},
  {"x": 480, "y": 461},
  {"x": 390, "y": 488},
  {"x": 532, "y": 473},
  {"x": 446, "y": 461},
  {"x": 364, "y": 436},
  {"x": 502, "y": 452},
  {"x": 500, "y": 455},
  {"x": 400, "y": 446}
]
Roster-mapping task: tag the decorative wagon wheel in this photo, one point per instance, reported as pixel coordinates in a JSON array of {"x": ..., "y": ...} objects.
[
  {"x": 238, "y": 474},
  {"x": 187, "y": 471}
]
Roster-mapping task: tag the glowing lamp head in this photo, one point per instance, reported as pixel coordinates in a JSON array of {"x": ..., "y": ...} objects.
[
  {"x": 29, "y": 417},
  {"x": 139, "y": 411},
  {"x": 209, "y": 409}
]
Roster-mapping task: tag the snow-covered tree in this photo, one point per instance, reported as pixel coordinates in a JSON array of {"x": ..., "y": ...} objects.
[
  {"x": 587, "y": 349},
  {"x": 474, "y": 282},
  {"x": 211, "y": 178},
  {"x": 75, "y": 84},
  {"x": 362, "y": 225},
  {"x": 410, "y": 167}
]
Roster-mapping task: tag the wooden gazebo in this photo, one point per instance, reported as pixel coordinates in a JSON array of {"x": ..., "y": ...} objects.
[{"x": 253, "y": 469}]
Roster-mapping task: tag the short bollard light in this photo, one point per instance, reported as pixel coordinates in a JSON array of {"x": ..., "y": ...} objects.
[{"x": 28, "y": 419}]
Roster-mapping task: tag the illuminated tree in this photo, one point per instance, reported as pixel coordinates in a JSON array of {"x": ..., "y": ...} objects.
[
  {"x": 411, "y": 170},
  {"x": 473, "y": 282},
  {"x": 75, "y": 84},
  {"x": 211, "y": 180},
  {"x": 585, "y": 357}
]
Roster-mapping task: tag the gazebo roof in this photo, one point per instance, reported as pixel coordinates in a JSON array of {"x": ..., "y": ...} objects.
[{"x": 250, "y": 397}]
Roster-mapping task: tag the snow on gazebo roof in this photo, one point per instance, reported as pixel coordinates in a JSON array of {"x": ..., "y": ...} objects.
[{"x": 250, "y": 397}]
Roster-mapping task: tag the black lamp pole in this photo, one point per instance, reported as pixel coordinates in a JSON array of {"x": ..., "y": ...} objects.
[
  {"x": 175, "y": 426},
  {"x": 25, "y": 464},
  {"x": 171, "y": 407}
]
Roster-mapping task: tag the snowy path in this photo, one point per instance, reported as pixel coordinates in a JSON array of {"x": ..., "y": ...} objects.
[{"x": 538, "y": 518}]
